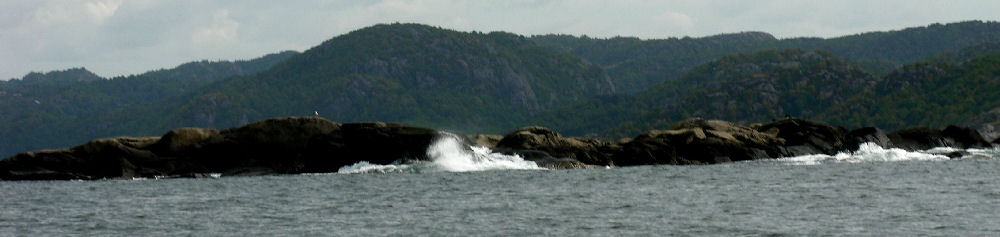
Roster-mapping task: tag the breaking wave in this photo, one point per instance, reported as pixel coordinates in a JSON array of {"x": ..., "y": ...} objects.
[
  {"x": 450, "y": 154},
  {"x": 871, "y": 152}
]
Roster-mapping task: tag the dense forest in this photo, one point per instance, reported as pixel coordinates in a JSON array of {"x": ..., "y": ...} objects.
[{"x": 474, "y": 82}]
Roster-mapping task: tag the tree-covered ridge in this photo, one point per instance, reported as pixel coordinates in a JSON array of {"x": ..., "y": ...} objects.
[
  {"x": 35, "y": 79},
  {"x": 816, "y": 85},
  {"x": 928, "y": 94},
  {"x": 405, "y": 73},
  {"x": 636, "y": 64},
  {"x": 59, "y": 108},
  {"x": 743, "y": 88},
  {"x": 477, "y": 82}
]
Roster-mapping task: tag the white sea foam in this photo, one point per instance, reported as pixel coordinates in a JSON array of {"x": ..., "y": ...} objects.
[
  {"x": 365, "y": 167},
  {"x": 871, "y": 152},
  {"x": 449, "y": 153}
]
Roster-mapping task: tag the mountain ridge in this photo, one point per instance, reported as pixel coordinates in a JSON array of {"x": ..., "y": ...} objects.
[{"x": 494, "y": 82}]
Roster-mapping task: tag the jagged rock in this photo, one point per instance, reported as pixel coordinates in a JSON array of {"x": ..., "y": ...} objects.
[
  {"x": 282, "y": 145},
  {"x": 987, "y": 123},
  {"x": 965, "y": 137},
  {"x": 919, "y": 138},
  {"x": 100, "y": 158},
  {"x": 923, "y": 138},
  {"x": 586, "y": 150},
  {"x": 699, "y": 142},
  {"x": 804, "y": 137},
  {"x": 299, "y": 145},
  {"x": 867, "y": 134},
  {"x": 384, "y": 143}
]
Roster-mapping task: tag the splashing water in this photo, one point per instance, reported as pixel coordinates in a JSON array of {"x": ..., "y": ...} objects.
[
  {"x": 871, "y": 152},
  {"x": 449, "y": 153}
]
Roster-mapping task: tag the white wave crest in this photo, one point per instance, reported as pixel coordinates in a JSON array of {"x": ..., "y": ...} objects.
[
  {"x": 870, "y": 152},
  {"x": 365, "y": 167},
  {"x": 448, "y": 153}
]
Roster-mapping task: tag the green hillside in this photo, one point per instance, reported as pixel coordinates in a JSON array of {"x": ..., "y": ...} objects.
[
  {"x": 404, "y": 73},
  {"x": 637, "y": 64},
  {"x": 55, "y": 109},
  {"x": 477, "y": 82}
]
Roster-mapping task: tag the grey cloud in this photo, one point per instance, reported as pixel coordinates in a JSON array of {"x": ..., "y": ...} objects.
[{"x": 140, "y": 35}]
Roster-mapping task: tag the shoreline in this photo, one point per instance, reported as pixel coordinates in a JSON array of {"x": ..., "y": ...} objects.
[{"x": 297, "y": 145}]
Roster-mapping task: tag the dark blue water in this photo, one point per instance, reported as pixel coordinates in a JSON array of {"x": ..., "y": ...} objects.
[{"x": 828, "y": 197}]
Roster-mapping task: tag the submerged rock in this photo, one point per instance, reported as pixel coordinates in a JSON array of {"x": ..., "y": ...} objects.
[{"x": 699, "y": 142}]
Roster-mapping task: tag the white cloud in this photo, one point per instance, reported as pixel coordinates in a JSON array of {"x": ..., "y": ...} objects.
[
  {"x": 222, "y": 31},
  {"x": 115, "y": 37},
  {"x": 674, "y": 20},
  {"x": 102, "y": 10},
  {"x": 68, "y": 12}
]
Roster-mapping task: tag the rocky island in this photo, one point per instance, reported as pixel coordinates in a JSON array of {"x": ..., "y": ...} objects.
[{"x": 316, "y": 145}]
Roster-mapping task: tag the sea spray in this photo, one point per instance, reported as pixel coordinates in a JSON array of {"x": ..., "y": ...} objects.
[
  {"x": 870, "y": 152},
  {"x": 450, "y": 153}
]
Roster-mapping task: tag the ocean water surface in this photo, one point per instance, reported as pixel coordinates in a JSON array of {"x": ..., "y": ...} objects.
[{"x": 873, "y": 191}]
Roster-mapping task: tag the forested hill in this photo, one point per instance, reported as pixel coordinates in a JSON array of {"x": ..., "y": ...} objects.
[
  {"x": 54, "y": 109},
  {"x": 406, "y": 73},
  {"x": 637, "y": 63},
  {"x": 762, "y": 86},
  {"x": 744, "y": 88},
  {"x": 476, "y": 82}
]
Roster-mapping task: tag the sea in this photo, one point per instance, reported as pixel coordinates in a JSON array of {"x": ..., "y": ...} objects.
[{"x": 464, "y": 191}]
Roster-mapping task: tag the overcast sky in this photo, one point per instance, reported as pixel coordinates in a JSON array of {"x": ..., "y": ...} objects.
[{"x": 115, "y": 37}]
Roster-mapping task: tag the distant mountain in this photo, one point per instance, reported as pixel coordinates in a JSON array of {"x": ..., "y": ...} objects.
[
  {"x": 927, "y": 94},
  {"x": 495, "y": 82},
  {"x": 406, "y": 73},
  {"x": 636, "y": 64},
  {"x": 743, "y": 88},
  {"x": 759, "y": 87},
  {"x": 67, "y": 76},
  {"x": 56, "y": 108}
]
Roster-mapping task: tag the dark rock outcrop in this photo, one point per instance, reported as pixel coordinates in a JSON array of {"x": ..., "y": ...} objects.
[
  {"x": 283, "y": 145},
  {"x": 306, "y": 145},
  {"x": 804, "y": 137},
  {"x": 965, "y": 137},
  {"x": 699, "y": 142},
  {"x": 539, "y": 139},
  {"x": 867, "y": 134},
  {"x": 923, "y": 138},
  {"x": 96, "y": 159},
  {"x": 987, "y": 123}
]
